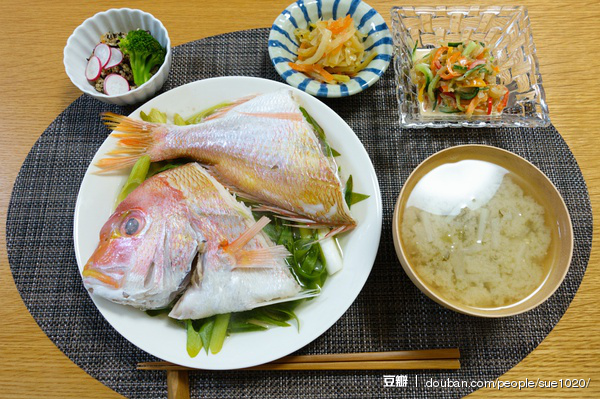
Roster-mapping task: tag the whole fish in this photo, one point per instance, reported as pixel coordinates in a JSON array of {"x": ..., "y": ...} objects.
[
  {"x": 147, "y": 248},
  {"x": 261, "y": 147}
]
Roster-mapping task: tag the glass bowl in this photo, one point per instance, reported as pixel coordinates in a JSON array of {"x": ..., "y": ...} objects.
[{"x": 506, "y": 30}]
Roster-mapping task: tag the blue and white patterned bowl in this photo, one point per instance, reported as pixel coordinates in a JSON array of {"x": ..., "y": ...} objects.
[{"x": 283, "y": 45}]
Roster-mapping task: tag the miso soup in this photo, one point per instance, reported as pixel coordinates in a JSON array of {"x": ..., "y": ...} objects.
[{"x": 477, "y": 234}]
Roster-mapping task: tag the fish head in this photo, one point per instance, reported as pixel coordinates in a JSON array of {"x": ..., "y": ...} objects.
[{"x": 146, "y": 249}]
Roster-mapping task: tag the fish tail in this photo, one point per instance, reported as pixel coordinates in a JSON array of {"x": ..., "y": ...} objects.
[{"x": 136, "y": 138}]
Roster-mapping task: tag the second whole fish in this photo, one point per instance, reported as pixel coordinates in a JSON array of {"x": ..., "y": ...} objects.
[{"x": 260, "y": 147}]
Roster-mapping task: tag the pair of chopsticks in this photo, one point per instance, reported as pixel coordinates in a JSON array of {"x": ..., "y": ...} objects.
[
  {"x": 178, "y": 386},
  {"x": 447, "y": 359}
]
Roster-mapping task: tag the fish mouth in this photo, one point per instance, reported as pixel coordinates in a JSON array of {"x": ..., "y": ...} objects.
[{"x": 90, "y": 272}]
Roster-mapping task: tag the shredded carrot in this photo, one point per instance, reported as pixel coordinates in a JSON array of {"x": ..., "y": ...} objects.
[
  {"x": 472, "y": 105},
  {"x": 326, "y": 75},
  {"x": 312, "y": 68},
  {"x": 340, "y": 25}
]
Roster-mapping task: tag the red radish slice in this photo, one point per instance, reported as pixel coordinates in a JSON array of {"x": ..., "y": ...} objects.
[
  {"x": 93, "y": 69},
  {"x": 116, "y": 56},
  {"x": 475, "y": 63},
  {"x": 102, "y": 51},
  {"x": 115, "y": 84}
]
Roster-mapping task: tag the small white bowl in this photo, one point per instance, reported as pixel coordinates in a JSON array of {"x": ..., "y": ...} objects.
[{"x": 87, "y": 35}]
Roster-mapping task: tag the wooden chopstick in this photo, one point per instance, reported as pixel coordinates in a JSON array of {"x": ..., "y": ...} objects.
[
  {"x": 447, "y": 359},
  {"x": 427, "y": 354}
]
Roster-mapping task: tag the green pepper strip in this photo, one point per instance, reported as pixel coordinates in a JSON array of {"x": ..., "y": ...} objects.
[
  {"x": 414, "y": 53},
  {"x": 432, "y": 85},
  {"x": 458, "y": 104},
  {"x": 470, "y": 72},
  {"x": 424, "y": 69},
  {"x": 448, "y": 110},
  {"x": 470, "y": 95}
]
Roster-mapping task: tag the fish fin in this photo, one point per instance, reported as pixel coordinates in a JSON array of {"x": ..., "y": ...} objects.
[
  {"x": 261, "y": 257},
  {"x": 255, "y": 258},
  {"x": 301, "y": 295},
  {"x": 137, "y": 138},
  {"x": 223, "y": 111},
  {"x": 197, "y": 273},
  {"x": 283, "y": 213},
  {"x": 337, "y": 230},
  {"x": 246, "y": 236}
]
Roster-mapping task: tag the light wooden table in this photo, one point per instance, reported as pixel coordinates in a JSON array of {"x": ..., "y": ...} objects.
[{"x": 34, "y": 89}]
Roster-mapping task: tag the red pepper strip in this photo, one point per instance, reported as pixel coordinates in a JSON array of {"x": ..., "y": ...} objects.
[
  {"x": 436, "y": 57},
  {"x": 504, "y": 102},
  {"x": 489, "y": 110},
  {"x": 475, "y": 63}
]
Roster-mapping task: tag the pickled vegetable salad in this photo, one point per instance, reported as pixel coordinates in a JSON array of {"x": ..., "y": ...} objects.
[{"x": 459, "y": 78}]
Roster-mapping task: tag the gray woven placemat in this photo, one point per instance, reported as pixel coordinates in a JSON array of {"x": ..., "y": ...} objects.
[{"x": 389, "y": 314}]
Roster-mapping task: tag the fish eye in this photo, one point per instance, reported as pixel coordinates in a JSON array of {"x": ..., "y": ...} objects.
[{"x": 132, "y": 224}]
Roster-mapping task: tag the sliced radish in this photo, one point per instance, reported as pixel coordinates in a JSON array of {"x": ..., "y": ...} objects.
[
  {"x": 102, "y": 51},
  {"x": 116, "y": 56},
  {"x": 115, "y": 84},
  {"x": 93, "y": 69}
]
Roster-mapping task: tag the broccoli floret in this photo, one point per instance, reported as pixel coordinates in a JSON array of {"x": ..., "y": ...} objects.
[{"x": 144, "y": 52}]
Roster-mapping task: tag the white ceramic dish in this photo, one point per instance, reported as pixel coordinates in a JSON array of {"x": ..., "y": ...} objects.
[
  {"x": 86, "y": 36},
  {"x": 166, "y": 340},
  {"x": 283, "y": 45}
]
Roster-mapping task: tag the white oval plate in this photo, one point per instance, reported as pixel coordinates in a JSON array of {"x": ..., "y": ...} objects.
[{"x": 165, "y": 339}]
